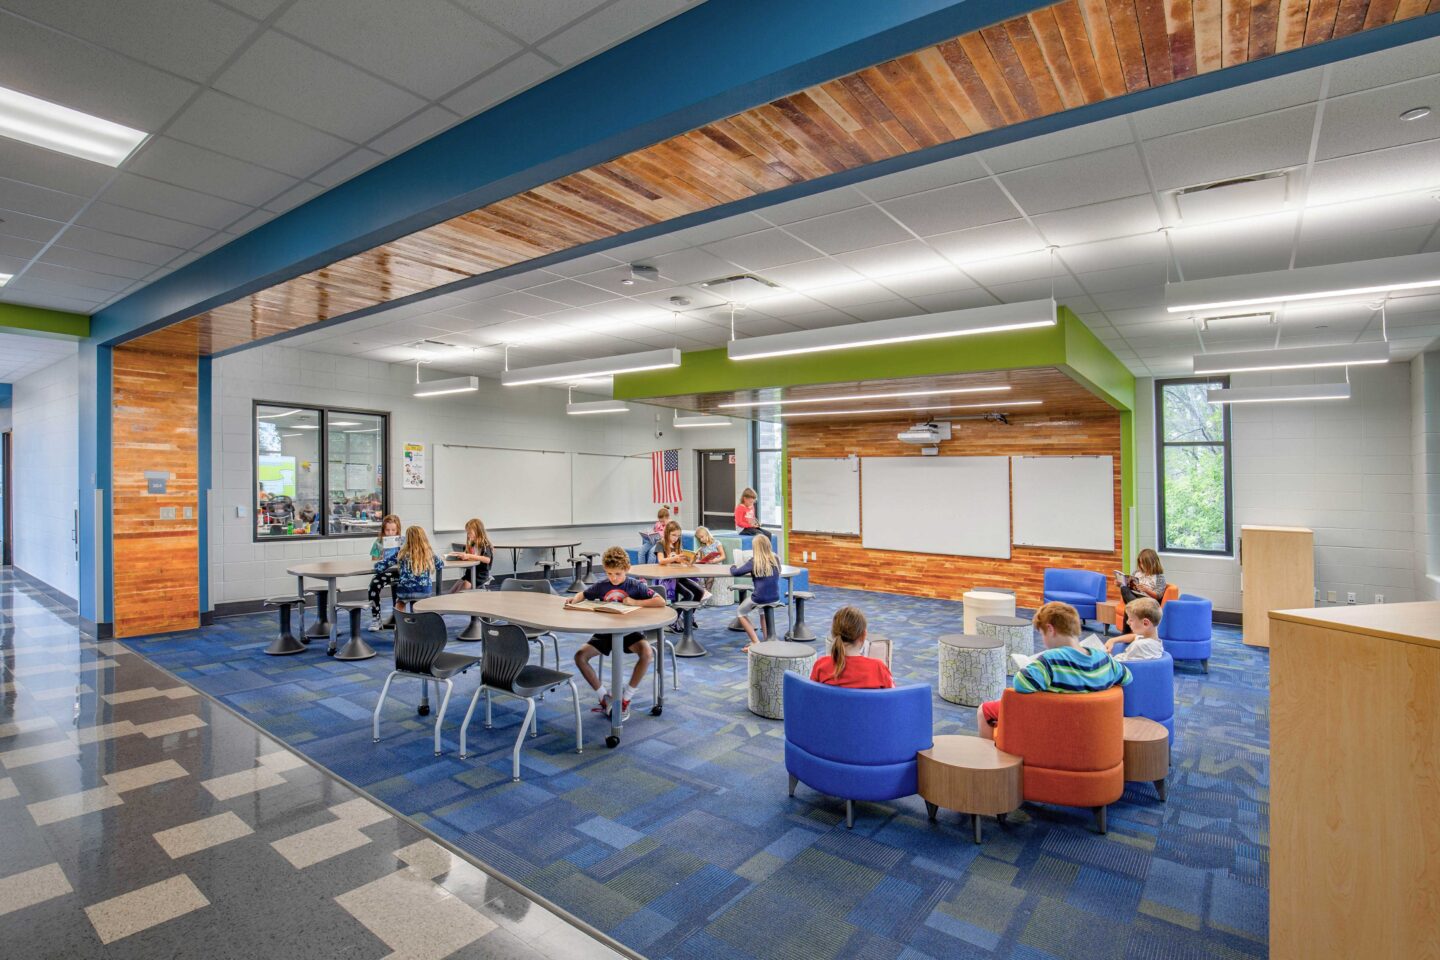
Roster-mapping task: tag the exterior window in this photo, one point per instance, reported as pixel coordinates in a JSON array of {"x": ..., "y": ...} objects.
[
  {"x": 318, "y": 472},
  {"x": 1192, "y": 443},
  {"x": 767, "y": 460}
]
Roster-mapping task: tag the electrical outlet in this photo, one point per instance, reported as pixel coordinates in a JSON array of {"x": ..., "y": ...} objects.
[
  {"x": 1317, "y": 594},
  {"x": 1349, "y": 598},
  {"x": 1379, "y": 598},
  {"x": 1329, "y": 596}
]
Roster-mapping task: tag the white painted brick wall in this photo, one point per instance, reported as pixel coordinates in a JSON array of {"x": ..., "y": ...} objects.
[
  {"x": 1425, "y": 446},
  {"x": 45, "y": 415}
]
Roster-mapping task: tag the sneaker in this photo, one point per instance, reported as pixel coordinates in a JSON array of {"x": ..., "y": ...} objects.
[
  {"x": 604, "y": 706},
  {"x": 624, "y": 709},
  {"x": 705, "y": 598},
  {"x": 375, "y": 624}
]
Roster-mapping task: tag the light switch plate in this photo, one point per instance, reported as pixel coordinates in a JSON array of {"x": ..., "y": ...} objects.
[
  {"x": 167, "y": 513},
  {"x": 188, "y": 513}
]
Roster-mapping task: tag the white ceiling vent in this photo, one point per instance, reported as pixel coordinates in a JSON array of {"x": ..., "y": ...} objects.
[
  {"x": 1231, "y": 199},
  {"x": 741, "y": 288}
]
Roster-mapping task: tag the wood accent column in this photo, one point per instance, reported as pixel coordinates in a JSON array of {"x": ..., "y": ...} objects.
[{"x": 155, "y": 428}]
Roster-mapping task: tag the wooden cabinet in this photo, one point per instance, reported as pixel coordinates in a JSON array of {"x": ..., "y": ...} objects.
[
  {"x": 1277, "y": 572},
  {"x": 1354, "y": 769}
]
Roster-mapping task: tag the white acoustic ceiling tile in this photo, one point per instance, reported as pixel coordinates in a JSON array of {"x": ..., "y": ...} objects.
[
  {"x": 571, "y": 292},
  {"x": 168, "y": 200},
  {"x": 221, "y": 123},
  {"x": 21, "y": 225},
  {"x": 16, "y": 248},
  {"x": 528, "y": 20},
  {"x": 426, "y": 46},
  {"x": 213, "y": 242},
  {"x": 955, "y": 300},
  {"x": 501, "y": 83},
  {"x": 1123, "y": 251},
  {"x": 928, "y": 283},
  {"x": 296, "y": 195},
  {"x": 1398, "y": 169},
  {"x": 589, "y": 263},
  {"x": 661, "y": 298},
  {"x": 35, "y": 286},
  {"x": 1241, "y": 148},
  {"x": 1343, "y": 247},
  {"x": 995, "y": 240},
  {"x": 882, "y": 310},
  {"x": 811, "y": 274},
  {"x": 1024, "y": 290},
  {"x": 61, "y": 69},
  {"x": 65, "y": 278},
  {"x": 414, "y": 129},
  {"x": 95, "y": 262},
  {"x": 351, "y": 165},
  {"x": 848, "y": 294},
  {"x": 894, "y": 260},
  {"x": 199, "y": 169},
  {"x": 941, "y": 173},
  {"x": 692, "y": 266},
  {"x": 1024, "y": 266},
  {"x": 608, "y": 26},
  {"x": 250, "y": 221},
  {"x": 1254, "y": 245},
  {"x": 1122, "y": 318},
  {"x": 1125, "y": 278},
  {"x": 851, "y": 230},
  {"x": 16, "y": 293},
  {"x": 1370, "y": 120},
  {"x": 815, "y": 205},
  {"x": 1252, "y": 99},
  {"x": 1100, "y": 221},
  {"x": 145, "y": 226},
  {"x": 1418, "y": 59},
  {"x": 54, "y": 171},
  {"x": 953, "y": 208},
  {"x": 1077, "y": 181},
  {"x": 1143, "y": 298},
  {"x": 820, "y": 319},
  {"x": 38, "y": 201},
  {"x": 1087, "y": 138},
  {"x": 300, "y": 82},
  {"x": 1389, "y": 212},
  {"x": 762, "y": 250}
]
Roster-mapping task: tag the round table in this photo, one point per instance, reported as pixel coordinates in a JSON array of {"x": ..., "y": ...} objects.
[
  {"x": 1147, "y": 752},
  {"x": 690, "y": 647},
  {"x": 970, "y": 775},
  {"x": 543, "y": 611},
  {"x": 769, "y": 661},
  {"x": 1017, "y": 633},
  {"x": 515, "y": 546},
  {"x": 972, "y": 669},
  {"x": 986, "y": 603}
]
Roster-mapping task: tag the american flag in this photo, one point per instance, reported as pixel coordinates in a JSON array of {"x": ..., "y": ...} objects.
[{"x": 665, "y": 471}]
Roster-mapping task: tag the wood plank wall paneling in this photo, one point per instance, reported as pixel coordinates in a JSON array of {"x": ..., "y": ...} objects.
[
  {"x": 844, "y": 562},
  {"x": 155, "y": 427},
  {"x": 1066, "y": 55}
]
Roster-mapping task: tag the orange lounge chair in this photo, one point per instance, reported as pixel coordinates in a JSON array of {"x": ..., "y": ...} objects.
[{"x": 1171, "y": 592}]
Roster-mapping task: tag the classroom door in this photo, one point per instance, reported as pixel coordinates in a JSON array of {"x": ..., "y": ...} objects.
[{"x": 717, "y": 488}]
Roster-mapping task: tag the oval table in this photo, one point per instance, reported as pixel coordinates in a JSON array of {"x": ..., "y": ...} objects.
[
  {"x": 333, "y": 571},
  {"x": 543, "y": 611},
  {"x": 690, "y": 647},
  {"x": 515, "y": 546}
]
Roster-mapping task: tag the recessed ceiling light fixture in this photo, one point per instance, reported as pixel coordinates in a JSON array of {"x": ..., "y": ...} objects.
[
  {"x": 862, "y": 396},
  {"x": 53, "y": 127},
  {"x": 1279, "y": 394},
  {"x": 929, "y": 326},
  {"x": 1293, "y": 358},
  {"x": 1229, "y": 320},
  {"x": 1328, "y": 282},
  {"x": 1415, "y": 113},
  {"x": 915, "y": 410},
  {"x": 578, "y": 370},
  {"x": 6, "y": 278}
]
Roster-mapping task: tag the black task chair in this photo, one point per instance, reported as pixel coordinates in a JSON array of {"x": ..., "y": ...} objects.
[
  {"x": 515, "y": 584},
  {"x": 420, "y": 653},
  {"x": 506, "y": 669}
]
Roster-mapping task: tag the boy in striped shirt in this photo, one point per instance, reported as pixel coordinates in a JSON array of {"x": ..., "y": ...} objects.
[{"x": 1064, "y": 667}]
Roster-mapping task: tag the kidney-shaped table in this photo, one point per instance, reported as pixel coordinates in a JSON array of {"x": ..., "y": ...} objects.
[
  {"x": 689, "y": 646},
  {"x": 540, "y": 611}
]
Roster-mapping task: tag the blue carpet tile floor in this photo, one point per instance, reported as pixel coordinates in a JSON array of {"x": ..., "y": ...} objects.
[{"x": 682, "y": 843}]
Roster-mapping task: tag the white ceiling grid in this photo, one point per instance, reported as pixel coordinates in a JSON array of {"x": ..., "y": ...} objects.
[{"x": 255, "y": 106}]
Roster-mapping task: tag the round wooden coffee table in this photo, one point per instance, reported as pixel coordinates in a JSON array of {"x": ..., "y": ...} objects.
[
  {"x": 970, "y": 775},
  {"x": 1147, "y": 752}
]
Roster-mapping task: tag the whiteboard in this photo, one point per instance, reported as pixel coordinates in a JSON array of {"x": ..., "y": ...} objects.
[
  {"x": 825, "y": 494},
  {"x": 606, "y": 488},
  {"x": 950, "y": 505},
  {"x": 508, "y": 489},
  {"x": 1065, "y": 502}
]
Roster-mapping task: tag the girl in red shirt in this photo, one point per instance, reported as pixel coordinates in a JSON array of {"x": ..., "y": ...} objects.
[{"x": 847, "y": 665}]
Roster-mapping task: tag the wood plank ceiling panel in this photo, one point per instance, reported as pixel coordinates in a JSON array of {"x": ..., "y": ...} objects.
[{"x": 1059, "y": 57}]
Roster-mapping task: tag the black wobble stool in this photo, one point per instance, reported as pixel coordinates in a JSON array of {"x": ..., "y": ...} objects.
[
  {"x": 590, "y": 558},
  {"x": 688, "y": 645},
  {"x": 547, "y": 568},
  {"x": 321, "y": 626},
  {"x": 285, "y": 643},
  {"x": 356, "y": 648},
  {"x": 575, "y": 582},
  {"x": 798, "y": 630},
  {"x": 767, "y": 616}
]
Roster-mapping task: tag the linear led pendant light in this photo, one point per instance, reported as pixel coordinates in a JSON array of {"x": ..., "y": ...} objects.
[
  {"x": 700, "y": 420},
  {"x": 1328, "y": 282},
  {"x": 53, "y": 127},
  {"x": 591, "y": 369},
  {"x": 915, "y": 410},
  {"x": 929, "y": 326},
  {"x": 589, "y": 407},
  {"x": 437, "y": 388},
  {"x": 1293, "y": 358},
  {"x": 864, "y": 396},
  {"x": 1279, "y": 394}
]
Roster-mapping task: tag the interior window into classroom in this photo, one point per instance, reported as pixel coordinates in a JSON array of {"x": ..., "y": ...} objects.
[
  {"x": 1193, "y": 466},
  {"x": 766, "y": 443},
  {"x": 318, "y": 472}
]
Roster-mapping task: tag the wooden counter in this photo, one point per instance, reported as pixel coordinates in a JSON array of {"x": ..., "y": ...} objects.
[
  {"x": 1355, "y": 782},
  {"x": 1277, "y": 572}
]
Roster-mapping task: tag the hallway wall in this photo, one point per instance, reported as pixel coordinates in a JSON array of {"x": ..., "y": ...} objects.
[{"x": 45, "y": 414}]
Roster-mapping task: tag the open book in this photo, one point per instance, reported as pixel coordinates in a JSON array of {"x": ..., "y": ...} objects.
[
  {"x": 1023, "y": 660},
  {"x": 600, "y": 606}
]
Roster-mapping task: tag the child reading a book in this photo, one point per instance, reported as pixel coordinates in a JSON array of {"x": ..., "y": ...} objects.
[
  {"x": 617, "y": 587},
  {"x": 847, "y": 665},
  {"x": 1143, "y": 615},
  {"x": 1148, "y": 580},
  {"x": 416, "y": 566},
  {"x": 385, "y": 547},
  {"x": 707, "y": 550},
  {"x": 763, "y": 569},
  {"x": 477, "y": 548},
  {"x": 662, "y": 517},
  {"x": 1065, "y": 667},
  {"x": 671, "y": 553}
]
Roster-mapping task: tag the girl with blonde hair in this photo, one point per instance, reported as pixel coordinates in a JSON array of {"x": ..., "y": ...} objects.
[
  {"x": 763, "y": 568},
  {"x": 477, "y": 548},
  {"x": 416, "y": 566}
]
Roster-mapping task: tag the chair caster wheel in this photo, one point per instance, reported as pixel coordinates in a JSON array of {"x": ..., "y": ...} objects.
[
  {"x": 376, "y": 740},
  {"x": 438, "y": 753},
  {"x": 612, "y": 742},
  {"x": 464, "y": 757},
  {"x": 514, "y": 779},
  {"x": 423, "y": 710},
  {"x": 656, "y": 710}
]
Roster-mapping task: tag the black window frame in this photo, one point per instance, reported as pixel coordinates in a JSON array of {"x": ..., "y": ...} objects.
[
  {"x": 1225, "y": 446},
  {"x": 755, "y": 451},
  {"x": 324, "y": 514}
]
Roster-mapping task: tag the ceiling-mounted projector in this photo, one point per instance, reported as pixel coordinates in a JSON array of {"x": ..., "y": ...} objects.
[{"x": 925, "y": 434}]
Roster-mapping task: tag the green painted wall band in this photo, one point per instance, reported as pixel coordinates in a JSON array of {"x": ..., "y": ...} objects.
[{"x": 22, "y": 319}]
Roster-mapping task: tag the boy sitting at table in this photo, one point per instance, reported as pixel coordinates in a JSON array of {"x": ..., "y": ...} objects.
[{"x": 617, "y": 587}]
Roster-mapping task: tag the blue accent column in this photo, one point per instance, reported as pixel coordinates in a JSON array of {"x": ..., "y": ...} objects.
[{"x": 96, "y": 584}]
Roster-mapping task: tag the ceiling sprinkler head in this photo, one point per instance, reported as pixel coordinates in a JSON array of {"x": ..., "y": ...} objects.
[{"x": 678, "y": 301}]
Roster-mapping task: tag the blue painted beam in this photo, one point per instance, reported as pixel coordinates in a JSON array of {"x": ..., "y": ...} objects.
[{"x": 716, "y": 60}]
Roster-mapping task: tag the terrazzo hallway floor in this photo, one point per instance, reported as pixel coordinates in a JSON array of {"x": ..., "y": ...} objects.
[
  {"x": 140, "y": 819},
  {"x": 683, "y": 844}
]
